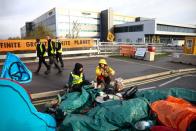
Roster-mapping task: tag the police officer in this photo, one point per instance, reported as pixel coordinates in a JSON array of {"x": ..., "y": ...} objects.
[
  {"x": 41, "y": 53},
  {"x": 52, "y": 53},
  {"x": 59, "y": 51}
]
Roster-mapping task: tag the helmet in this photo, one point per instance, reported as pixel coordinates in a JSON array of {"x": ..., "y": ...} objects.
[{"x": 102, "y": 61}]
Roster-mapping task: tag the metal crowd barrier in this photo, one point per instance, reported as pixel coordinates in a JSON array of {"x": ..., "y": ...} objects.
[{"x": 100, "y": 48}]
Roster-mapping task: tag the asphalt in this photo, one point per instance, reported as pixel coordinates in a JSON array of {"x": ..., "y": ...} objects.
[
  {"x": 185, "y": 81},
  {"x": 124, "y": 68}
]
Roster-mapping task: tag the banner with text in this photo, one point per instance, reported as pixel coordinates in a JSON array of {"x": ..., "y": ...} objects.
[{"x": 30, "y": 45}]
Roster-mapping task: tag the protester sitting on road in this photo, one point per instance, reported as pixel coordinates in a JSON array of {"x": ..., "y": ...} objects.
[
  {"x": 104, "y": 74},
  {"x": 77, "y": 78}
]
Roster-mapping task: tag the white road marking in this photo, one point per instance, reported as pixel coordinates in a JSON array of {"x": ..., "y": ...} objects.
[
  {"x": 159, "y": 67},
  {"x": 147, "y": 88},
  {"x": 165, "y": 83},
  {"x": 170, "y": 81}
]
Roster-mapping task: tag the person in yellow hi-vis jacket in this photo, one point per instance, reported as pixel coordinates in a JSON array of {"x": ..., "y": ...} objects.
[
  {"x": 59, "y": 51},
  {"x": 104, "y": 73},
  {"x": 41, "y": 54},
  {"x": 52, "y": 54},
  {"x": 77, "y": 78}
]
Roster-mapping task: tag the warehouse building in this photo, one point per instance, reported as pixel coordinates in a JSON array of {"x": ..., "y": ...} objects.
[
  {"x": 152, "y": 31},
  {"x": 77, "y": 23}
]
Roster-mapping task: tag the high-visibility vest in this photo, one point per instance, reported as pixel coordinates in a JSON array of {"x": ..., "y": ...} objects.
[
  {"x": 41, "y": 49},
  {"x": 61, "y": 49},
  {"x": 52, "y": 49},
  {"x": 77, "y": 79}
]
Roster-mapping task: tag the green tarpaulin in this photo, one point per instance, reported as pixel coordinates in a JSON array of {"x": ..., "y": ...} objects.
[
  {"x": 77, "y": 102},
  {"x": 113, "y": 115},
  {"x": 158, "y": 94}
]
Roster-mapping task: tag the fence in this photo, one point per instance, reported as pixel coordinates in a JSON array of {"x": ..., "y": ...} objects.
[{"x": 99, "y": 48}]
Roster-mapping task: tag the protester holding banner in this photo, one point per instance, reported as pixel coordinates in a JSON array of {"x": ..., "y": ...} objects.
[
  {"x": 41, "y": 54},
  {"x": 59, "y": 51},
  {"x": 52, "y": 54}
]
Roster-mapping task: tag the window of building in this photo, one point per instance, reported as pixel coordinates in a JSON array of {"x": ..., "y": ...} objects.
[
  {"x": 139, "y": 40},
  {"x": 119, "y": 40},
  {"x": 128, "y": 40},
  {"x": 169, "y": 28},
  {"x": 49, "y": 21},
  {"x": 189, "y": 43},
  {"x": 135, "y": 28},
  {"x": 89, "y": 30},
  {"x": 86, "y": 13},
  {"x": 50, "y": 13}
]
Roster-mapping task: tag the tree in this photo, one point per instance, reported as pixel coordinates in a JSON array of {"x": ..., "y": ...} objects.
[
  {"x": 39, "y": 31},
  {"x": 14, "y": 38},
  {"x": 76, "y": 29}
]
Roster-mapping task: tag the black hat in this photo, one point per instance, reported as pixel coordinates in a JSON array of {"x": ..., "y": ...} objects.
[
  {"x": 77, "y": 68},
  {"x": 37, "y": 40}
]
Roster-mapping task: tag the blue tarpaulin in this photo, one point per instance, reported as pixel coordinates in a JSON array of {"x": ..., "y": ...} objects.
[
  {"x": 15, "y": 69},
  {"x": 17, "y": 112}
]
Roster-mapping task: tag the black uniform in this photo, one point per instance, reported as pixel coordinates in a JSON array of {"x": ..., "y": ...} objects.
[
  {"x": 51, "y": 54},
  {"x": 59, "y": 53},
  {"x": 41, "y": 50}
]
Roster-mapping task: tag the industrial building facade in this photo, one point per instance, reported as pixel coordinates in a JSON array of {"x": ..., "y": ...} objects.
[
  {"x": 70, "y": 23},
  {"x": 152, "y": 31},
  {"x": 66, "y": 23},
  {"x": 77, "y": 23}
]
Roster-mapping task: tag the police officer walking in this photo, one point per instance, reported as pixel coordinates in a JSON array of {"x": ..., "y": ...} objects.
[
  {"x": 59, "y": 51},
  {"x": 52, "y": 54},
  {"x": 41, "y": 53}
]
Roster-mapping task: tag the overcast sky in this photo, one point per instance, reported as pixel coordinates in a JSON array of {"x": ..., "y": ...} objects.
[{"x": 14, "y": 13}]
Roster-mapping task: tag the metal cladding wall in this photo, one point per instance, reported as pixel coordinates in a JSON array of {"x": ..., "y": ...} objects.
[
  {"x": 152, "y": 32},
  {"x": 106, "y": 23},
  {"x": 77, "y": 23},
  {"x": 148, "y": 28}
]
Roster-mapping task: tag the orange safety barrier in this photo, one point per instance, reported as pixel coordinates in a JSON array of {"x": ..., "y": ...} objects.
[
  {"x": 175, "y": 112},
  {"x": 127, "y": 50},
  {"x": 30, "y": 45}
]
